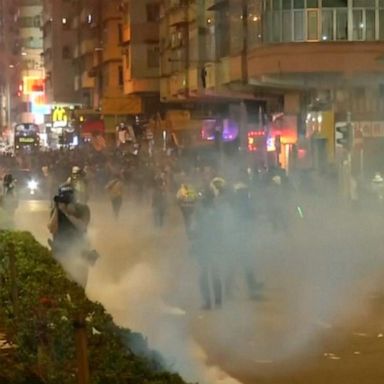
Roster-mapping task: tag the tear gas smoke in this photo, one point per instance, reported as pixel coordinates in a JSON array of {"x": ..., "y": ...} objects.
[{"x": 316, "y": 274}]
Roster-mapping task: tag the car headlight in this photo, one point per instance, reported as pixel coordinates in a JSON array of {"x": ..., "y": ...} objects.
[{"x": 33, "y": 184}]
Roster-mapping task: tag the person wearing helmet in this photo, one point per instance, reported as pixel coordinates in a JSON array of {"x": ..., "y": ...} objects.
[
  {"x": 186, "y": 198},
  {"x": 68, "y": 225},
  {"x": 243, "y": 239},
  {"x": 79, "y": 183}
]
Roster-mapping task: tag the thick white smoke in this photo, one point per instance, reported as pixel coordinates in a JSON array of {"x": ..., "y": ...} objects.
[{"x": 316, "y": 277}]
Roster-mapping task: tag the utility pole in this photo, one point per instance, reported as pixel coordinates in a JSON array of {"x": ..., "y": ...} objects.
[{"x": 81, "y": 344}]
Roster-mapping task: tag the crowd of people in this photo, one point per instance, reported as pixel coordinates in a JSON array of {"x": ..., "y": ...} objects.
[{"x": 220, "y": 205}]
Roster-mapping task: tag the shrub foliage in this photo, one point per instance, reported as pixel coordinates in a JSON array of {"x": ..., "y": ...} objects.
[{"x": 40, "y": 310}]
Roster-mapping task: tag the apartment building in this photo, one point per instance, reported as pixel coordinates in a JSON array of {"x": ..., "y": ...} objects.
[
  {"x": 141, "y": 56},
  {"x": 85, "y": 21},
  {"x": 203, "y": 67},
  {"x": 10, "y": 80},
  {"x": 59, "y": 42},
  {"x": 327, "y": 55},
  {"x": 32, "y": 65}
]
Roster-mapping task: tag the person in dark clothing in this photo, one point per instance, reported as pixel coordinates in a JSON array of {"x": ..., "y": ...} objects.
[
  {"x": 9, "y": 196},
  {"x": 242, "y": 240},
  {"x": 206, "y": 247},
  {"x": 68, "y": 225}
]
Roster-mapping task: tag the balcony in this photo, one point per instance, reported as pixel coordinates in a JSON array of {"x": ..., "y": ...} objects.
[
  {"x": 302, "y": 62},
  {"x": 84, "y": 81},
  {"x": 111, "y": 53},
  {"x": 87, "y": 81},
  {"x": 132, "y": 86},
  {"x": 87, "y": 46}
]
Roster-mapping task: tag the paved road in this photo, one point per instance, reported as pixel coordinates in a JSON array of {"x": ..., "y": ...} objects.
[{"x": 322, "y": 319}]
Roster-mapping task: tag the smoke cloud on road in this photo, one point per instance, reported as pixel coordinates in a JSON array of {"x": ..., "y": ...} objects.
[{"x": 317, "y": 274}]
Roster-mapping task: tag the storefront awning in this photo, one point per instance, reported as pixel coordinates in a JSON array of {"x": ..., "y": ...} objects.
[{"x": 93, "y": 127}]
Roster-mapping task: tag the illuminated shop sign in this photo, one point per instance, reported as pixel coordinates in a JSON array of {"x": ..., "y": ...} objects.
[{"x": 59, "y": 117}]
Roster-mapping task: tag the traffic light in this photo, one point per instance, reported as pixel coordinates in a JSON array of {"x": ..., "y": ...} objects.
[{"x": 344, "y": 135}]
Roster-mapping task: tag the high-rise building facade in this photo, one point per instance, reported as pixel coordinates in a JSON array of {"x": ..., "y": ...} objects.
[
  {"x": 32, "y": 65},
  {"x": 86, "y": 22},
  {"x": 298, "y": 57},
  {"x": 203, "y": 62},
  {"x": 59, "y": 41},
  {"x": 10, "y": 80},
  {"x": 141, "y": 56}
]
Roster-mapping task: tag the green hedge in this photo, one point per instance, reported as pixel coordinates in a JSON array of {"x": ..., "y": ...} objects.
[{"x": 39, "y": 308}]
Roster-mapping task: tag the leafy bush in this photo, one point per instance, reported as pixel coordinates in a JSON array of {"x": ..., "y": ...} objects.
[{"x": 40, "y": 310}]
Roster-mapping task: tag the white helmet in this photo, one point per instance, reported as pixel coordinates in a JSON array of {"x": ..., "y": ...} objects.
[{"x": 76, "y": 169}]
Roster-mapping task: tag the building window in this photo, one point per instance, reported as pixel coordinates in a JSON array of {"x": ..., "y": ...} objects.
[
  {"x": 358, "y": 24},
  {"x": 370, "y": 24},
  {"x": 364, "y": 3},
  {"x": 153, "y": 57},
  {"x": 30, "y": 22},
  {"x": 381, "y": 24},
  {"x": 276, "y": 5},
  {"x": 327, "y": 32},
  {"x": 298, "y": 4},
  {"x": 120, "y": 33},
  {"x": 312, "y": 3},
  {"x": 298, "y": 23},
  {"x": 287, "y": 4},
  {"x": 341, "y": 24},
  {"x": 312, "y": 25},
  {"x": 287, "y": 26},
  {"x": 276, "y": 26},
  {"x": 153, "y": 12},
  {"x": 335, "y": 3},
  {"x": 324, "y": 20}
]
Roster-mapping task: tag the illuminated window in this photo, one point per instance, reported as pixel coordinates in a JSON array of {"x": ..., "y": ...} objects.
[
  {"x": 327, "y": 25},
  {"x": 358, "y": 24},
  {"x": 322, "y": 20}
]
